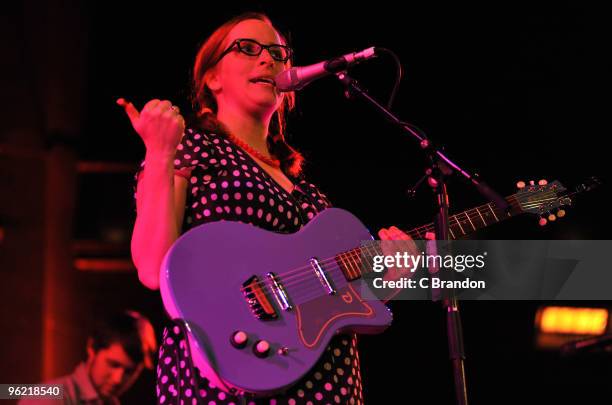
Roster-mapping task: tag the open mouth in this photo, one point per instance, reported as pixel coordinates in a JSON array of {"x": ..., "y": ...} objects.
[{"x": 264, "y": 80}]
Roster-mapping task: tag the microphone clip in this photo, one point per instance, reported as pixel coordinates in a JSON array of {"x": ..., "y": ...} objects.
[{"x": 351, "y": 86}]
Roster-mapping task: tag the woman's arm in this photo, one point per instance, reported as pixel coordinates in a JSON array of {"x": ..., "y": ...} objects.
[
  {"x": 160, "y": 195},
  {"x": 160, "y": 205}
]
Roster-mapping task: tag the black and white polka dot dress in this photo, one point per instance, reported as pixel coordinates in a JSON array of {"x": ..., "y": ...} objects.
[{"x": 225, "y": 183}]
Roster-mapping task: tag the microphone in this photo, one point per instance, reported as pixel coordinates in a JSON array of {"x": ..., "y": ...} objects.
[{"x": 297, "y": 78}]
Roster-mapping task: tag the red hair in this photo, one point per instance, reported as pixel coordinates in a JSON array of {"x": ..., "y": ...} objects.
[{"x": 205, "y": 104}]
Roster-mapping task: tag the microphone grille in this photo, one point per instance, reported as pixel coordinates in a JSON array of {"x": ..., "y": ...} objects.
[{"x": 286, "y": 80}]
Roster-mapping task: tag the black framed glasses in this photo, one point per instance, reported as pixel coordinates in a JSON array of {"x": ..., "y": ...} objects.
[{"x": 281, "y": 53}]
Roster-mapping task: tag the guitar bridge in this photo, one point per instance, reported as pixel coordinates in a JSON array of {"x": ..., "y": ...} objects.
[{"x": 255, "y": 294}]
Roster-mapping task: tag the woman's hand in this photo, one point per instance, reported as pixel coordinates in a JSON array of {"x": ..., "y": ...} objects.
[
  {"x": 406, "y": 245},
  {"x": 159, "y": 124}
]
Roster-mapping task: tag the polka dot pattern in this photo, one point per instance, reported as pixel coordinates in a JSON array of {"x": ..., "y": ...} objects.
[
  {"x": 227, "y": 184},
  {"x": 340, "y": 385},
  {"x": 242, "y": 187}
]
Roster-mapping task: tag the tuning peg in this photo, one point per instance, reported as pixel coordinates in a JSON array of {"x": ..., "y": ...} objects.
[
  {"x": 543, "y": 221},
  {"x": 552, "y": 217},
  {"x": 542, "y": 182},
  {"x": 520, "y": 184},
  {"x": 561, "y": 213},
  {"x": 531, "y": 182}
]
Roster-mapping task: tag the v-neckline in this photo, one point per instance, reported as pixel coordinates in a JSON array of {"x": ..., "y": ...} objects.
[{"x": 256, "y": 163}]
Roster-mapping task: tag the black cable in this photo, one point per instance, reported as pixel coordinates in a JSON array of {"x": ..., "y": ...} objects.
[
  {"x": 398, "y": 75},
  {"x": 415, "y": 129}
]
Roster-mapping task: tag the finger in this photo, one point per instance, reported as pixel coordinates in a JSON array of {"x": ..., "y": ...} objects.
[
  {"x": 399, "y": 234},
  {"x": 150, "y": 106},
  {"x": 383, "y": 234},
  {"x": 130, "y": 110},
  {"x": 164, "y": 106},
  {"x": 178, "y": 121}
]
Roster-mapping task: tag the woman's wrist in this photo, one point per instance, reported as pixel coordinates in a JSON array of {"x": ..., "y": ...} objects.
[{"x": 161, "y": 157}]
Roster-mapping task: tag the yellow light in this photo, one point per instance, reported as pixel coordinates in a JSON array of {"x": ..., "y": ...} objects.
[{"x": 571, "y": 320}]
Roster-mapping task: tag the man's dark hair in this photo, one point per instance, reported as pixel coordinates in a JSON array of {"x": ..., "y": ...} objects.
[{"x": 131, "y": 330}]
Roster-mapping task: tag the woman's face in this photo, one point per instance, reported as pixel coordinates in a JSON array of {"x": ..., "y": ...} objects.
[{"x": 233, "y": 78}]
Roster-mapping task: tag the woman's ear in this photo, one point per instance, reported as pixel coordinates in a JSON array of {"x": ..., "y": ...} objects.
[{"x": 212, "y": 81}]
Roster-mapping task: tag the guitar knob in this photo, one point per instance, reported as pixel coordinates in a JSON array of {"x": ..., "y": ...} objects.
[
  {"x": 560, "y": 213},
  {"x": 261, "y": 348},
  {"x": 542, "y": 182},
  {"x": 520, "y": 185},
  {"x": 552, "y": 217},
  {"x": 239, "y": 339},
  {"x": 543, "y": 221},
  {"x": 531, "y": 182}
]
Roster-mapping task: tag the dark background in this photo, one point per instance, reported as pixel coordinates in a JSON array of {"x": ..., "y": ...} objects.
[{"x": 515, "y": 91}]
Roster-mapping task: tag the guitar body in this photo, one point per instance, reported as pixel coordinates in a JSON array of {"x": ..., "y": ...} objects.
[{"x": 203, "y": 281}]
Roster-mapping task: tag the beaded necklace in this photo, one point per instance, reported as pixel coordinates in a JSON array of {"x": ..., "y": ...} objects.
[{"x": 271, "y": 161}]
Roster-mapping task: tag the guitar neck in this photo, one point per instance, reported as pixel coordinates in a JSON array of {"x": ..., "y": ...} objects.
[
  {"x": 534, "y": 199},
  {"x": 460, "y": 225},
  {"x": 469, "y": 221}
]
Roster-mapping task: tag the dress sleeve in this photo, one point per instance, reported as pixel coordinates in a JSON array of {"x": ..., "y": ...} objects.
[{"x": 196, "y": 149}]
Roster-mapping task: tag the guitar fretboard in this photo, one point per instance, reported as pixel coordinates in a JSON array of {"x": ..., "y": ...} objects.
[{"x": 460, "y": 225}]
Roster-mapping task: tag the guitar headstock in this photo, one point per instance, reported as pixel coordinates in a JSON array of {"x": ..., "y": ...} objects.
[{"x": 544, "y": 198}]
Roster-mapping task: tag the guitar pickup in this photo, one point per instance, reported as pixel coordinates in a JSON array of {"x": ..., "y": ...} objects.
[
  {"x": 280, "y": 293},
  {"x": 255, "y": 294},
  {"x": 314, "y": 263}
]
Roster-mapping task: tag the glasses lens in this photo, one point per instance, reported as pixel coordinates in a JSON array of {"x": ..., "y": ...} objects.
[
  {"x": 249, "y": 47},
  {"x": 279, "y": 52}
]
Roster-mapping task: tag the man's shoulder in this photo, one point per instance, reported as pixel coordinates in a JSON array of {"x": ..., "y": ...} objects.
[
  {"x": 69, "y": 392},
  {"x": 75, "y": 389}
]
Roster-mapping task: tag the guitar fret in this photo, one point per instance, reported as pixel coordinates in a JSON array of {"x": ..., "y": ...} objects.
[
  {"x": 353, "y": 265},
  {"x": 356, "y": 260},
  {"x": 343, "y": 266},
  {"x": 351, "y": 269},
  {"x": 450, "y": 229},
  {"x": 489, "y": 205},
  {"x": 377, "y": 250},
  {"x": 481, "y": 217},
  {"x": 459, "y": 223},
  {"x": 349, "y": 266},
  {"x": 362, "y": 252},
  {"x": 365, "y": 251},
  {"x": 468, "y": 217}
]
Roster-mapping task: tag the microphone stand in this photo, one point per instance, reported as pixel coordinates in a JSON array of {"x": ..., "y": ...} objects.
[{"x": 441, "y": 168}]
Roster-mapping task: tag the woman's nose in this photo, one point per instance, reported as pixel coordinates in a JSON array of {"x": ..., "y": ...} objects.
[{"x": 265, "y": 58}]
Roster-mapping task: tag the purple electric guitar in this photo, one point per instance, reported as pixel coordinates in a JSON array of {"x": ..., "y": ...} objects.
[{"x": 261, "y": 307}]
